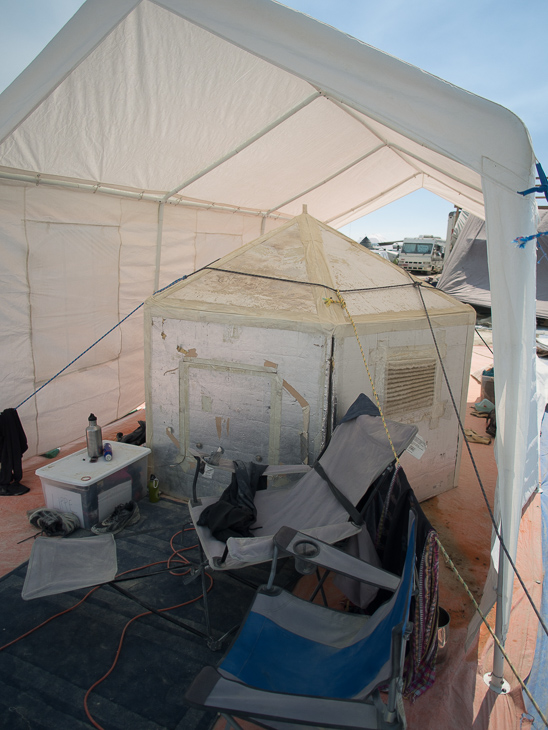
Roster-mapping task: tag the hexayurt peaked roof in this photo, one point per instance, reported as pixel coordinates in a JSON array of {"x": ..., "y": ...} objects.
[{"x": 289, "y": 274}]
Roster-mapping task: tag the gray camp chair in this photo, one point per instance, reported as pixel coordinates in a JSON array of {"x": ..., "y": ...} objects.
[
  {"x": 322, "y": 503},
  {"x": 298, "y": 663},
  {"x": 359, "y": 451}
]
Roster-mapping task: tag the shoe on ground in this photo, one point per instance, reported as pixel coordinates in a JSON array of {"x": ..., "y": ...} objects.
[
  {"x": 124, "y": 515},
  {"x": 52, "y": 522},
  {"x": 479, "y": 414},
  {"x": 15, "y": 489},
  {"x": 475, "y": 438}
]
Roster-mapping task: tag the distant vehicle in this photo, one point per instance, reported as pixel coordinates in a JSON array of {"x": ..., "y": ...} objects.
[
  {"x": 394, "y": 251},
  {"x": 389, "y": 250},
  {"x": 424, "y": 254}
]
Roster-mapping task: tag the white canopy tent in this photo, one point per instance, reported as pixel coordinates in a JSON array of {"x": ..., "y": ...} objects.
[{"x": 153, "y": 136}]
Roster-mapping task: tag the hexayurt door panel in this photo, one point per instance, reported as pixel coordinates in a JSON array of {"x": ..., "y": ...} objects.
[
  {"x": 259, "y": 392},
  {"x": 233, "y": 406}
]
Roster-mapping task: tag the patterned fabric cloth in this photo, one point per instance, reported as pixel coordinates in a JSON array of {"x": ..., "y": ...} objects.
[
  {"x": 420, "y": 666},
  {"x": 386, "y": 509}
]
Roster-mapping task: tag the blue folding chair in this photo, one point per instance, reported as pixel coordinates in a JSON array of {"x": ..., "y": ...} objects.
[{"x": 297, "y": 663}]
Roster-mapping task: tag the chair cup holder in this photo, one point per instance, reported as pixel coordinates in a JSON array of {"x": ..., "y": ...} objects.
[{"x": 305, "y": 550}]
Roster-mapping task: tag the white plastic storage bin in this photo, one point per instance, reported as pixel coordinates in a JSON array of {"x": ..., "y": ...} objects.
[{"x": 92, "y": 490}]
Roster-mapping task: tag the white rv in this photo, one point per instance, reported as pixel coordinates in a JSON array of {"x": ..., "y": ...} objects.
[{"x": 424, "y": 254}]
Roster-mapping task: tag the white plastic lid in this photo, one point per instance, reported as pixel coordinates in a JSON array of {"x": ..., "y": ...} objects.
[{"x": 77, "y": 469}]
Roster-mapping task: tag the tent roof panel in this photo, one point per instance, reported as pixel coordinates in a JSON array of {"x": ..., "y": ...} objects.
[
  {"x": 459, "y": 195},
  {"x": 422, "y": 156},
  {"x": 311, "y": 146},
  {"x": 355, "y": 186},
  {"x": 173, "y": 87},
  {"x": 144, "y": 108},
  {"x": 406, "y": 99},
  {"x": 379, "y": 200}
]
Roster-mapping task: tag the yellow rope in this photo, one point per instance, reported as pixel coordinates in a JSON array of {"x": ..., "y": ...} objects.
[
  {"x": 495, "y": 638},
  {"x": 343, "y": 304},
  {"x": 329, "y": 301}
]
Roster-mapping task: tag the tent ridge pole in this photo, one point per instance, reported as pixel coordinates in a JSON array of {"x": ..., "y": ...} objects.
[{"x": 159, "y": 232}]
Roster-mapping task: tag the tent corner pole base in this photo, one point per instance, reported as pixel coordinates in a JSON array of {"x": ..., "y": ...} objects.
[{"x": 496, "y": 684}]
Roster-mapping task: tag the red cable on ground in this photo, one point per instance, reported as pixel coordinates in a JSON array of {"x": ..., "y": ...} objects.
[
  {"x": 49, "y": 619},
  {"x": 175, "y": 555}
]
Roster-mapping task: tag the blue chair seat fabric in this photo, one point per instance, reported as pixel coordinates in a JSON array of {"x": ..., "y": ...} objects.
[{"x": 289, "y": 650}]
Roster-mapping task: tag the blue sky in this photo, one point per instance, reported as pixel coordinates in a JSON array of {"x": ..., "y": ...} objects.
[{"x": 493, "y": 48}]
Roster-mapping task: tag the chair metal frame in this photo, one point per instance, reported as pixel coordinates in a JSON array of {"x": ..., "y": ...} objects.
[{"x": 226, "y": 689}]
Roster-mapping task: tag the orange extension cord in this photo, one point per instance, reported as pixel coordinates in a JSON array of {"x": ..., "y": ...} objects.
[{"x": 175, "y": 561}]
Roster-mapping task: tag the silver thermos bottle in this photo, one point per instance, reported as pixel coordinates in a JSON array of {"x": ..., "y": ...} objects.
[{"x": 94, "y": 438}]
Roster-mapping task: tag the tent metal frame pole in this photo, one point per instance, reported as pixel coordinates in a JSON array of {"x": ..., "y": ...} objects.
[
  {"x": 159, "y": 233},
  {"x": 495, "y": 679},
  {"x": 38, "y": 179},
  {"x": 327, "y": 179}
]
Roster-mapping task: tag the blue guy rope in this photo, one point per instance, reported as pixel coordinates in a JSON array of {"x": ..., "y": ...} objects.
[
  {"x": 542, "y": 188},
  {"x": 522, "y": 240}
]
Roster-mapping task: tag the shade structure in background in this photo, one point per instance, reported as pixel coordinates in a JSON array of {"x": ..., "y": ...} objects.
[{"x": 465, "y": 274}]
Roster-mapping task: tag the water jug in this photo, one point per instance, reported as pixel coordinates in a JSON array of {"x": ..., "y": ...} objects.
[
  {"x": 94, "y": 438},
  {"x": 153, "y": 489}
]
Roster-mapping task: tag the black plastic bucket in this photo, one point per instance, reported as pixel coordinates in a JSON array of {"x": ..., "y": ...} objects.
[{"x": 443, "y": 633}]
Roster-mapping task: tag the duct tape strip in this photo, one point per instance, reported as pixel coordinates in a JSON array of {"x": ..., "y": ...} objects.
[
  {"x": 305, "y": 405},
  {"x": 180, "y": 457}
]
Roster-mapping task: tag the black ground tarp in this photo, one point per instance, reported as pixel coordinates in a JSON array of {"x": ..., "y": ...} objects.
[{"x": 45, "y": 676}]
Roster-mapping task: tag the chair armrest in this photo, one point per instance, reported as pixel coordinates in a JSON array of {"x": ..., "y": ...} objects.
[
  {"x": 270, "y": 471},
  {"x": 326, "y": 556},
  {"x": 228, "y": 465},
  {"x": 223, "y": 465}
]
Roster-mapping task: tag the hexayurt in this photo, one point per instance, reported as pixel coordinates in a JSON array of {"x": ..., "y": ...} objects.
[{"x": 256, "y": 355}]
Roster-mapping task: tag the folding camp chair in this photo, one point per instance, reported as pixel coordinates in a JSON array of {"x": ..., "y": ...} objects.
[
  {"x": 299, "y": 663},
  {"x": 323, "y": 502}
]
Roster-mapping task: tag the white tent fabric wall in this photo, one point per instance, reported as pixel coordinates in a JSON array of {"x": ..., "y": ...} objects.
[
  {"x": 249, "y": 106},
  {"x": 91, "y": 261}
]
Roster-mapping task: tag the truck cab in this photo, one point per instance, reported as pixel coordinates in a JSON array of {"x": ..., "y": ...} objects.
[{"x": 423, "y": 254}]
